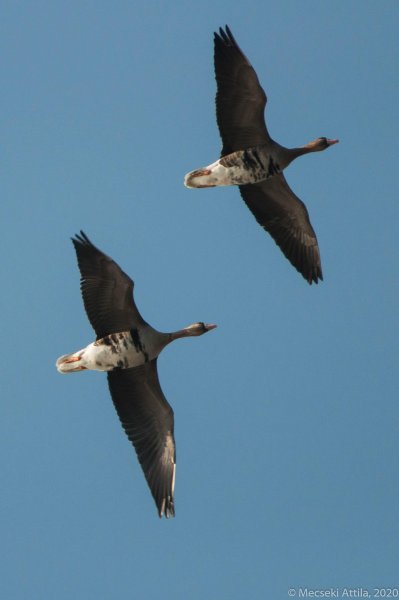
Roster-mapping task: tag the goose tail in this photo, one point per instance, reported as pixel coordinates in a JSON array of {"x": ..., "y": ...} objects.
[{"x": 70, "y": 363}]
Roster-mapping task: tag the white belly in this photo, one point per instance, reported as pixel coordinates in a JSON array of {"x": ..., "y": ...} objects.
[
  {"x": 117, "y": 350},
  {"x": 239, "y": 168}
]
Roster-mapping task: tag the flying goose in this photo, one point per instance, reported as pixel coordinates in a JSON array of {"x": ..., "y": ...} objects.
[
  {"x": 254, "y": 162},
  {"x": 127, "y": 348}
]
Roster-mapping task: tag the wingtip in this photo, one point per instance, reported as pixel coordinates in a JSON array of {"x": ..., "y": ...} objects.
[
  {"x": 224, "y": 34},
  {"x": 81, "y": 237},
  {"x": 315, "y": 278},
  {"x": 166, "y": 509}
]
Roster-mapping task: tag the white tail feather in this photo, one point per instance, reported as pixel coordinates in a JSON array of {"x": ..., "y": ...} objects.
[{"x": 69, "y": 363}]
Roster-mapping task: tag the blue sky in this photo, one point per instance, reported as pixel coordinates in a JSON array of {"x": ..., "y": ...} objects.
[{"x": 286, "y": 416}]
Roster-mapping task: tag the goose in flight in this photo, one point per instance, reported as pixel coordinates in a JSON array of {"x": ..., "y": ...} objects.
[
  {"x": 255, "y": 162},
  {"x": 127, "y": 348}
]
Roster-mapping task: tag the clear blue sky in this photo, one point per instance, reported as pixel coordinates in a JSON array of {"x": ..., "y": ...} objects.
[{"x": 287, "y": 415}]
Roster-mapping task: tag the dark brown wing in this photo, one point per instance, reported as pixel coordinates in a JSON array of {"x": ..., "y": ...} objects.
[
  {"x": 148, "y": 421},
  {"x": 285, "y": 217},
  {"x": 107, "y": 291},
  {"x": 240, "y": 99}
]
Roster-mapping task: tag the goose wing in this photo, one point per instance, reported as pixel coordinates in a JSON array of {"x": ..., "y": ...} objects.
[
  {"x": 240, "y": 99},
  {"x": 147, "y": 419},
  {"x": 276, "y": 207},
  {"x": 106, "y": 290}
]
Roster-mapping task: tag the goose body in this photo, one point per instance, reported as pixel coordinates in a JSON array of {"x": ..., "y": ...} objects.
[
  {"x": 238, "y": 168},
  {"x": 127, "y": 348},
  {"x": 251, "y": 159},
  {"x": 115, "y": 351}
]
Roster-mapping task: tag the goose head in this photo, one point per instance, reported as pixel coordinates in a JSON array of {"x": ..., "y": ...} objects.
[
  {"x": 198, "y": 328},
  {"x": 192, "y": 330},
  {"x": 319, "y": 144}
]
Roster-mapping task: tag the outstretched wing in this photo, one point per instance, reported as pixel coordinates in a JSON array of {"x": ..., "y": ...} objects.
[
  {"x": 285, "y": 217},
  {"x": 107, "y": 291},
  {"x": 240, "y": 99},
  {"x": 148, "y": 421}
]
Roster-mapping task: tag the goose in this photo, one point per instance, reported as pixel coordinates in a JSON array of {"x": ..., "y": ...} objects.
[
  {"x": 251, "y": 159},
  {"x": 127, "y": 348}
]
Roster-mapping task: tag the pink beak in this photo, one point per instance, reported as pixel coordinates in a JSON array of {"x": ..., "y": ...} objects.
[
  {"x": 331, "y": 142},
  {"x": 209, "y": 326}
]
